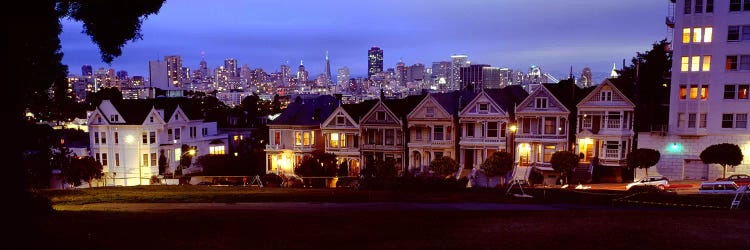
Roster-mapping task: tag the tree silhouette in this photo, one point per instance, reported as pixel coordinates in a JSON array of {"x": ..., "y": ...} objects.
[
  {"x": 499, "y": 163},
  {"x": 644, "y": 158},
  {"x": 564, "y": 162},
  {"x": 82, "y": 168},
  {"x": 724, "y": 154},
  {"x": 651, "y": 96},
  {"x": 444, "y": 166}
]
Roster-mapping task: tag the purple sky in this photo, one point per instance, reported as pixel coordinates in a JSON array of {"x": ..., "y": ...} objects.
[{"x": 506, "y": 33}]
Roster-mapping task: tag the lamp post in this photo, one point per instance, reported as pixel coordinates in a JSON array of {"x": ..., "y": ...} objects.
[
  {"x": 190, "y": 152},
  {"x": 513, "y": 128}
]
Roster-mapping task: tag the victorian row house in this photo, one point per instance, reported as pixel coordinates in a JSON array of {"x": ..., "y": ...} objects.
[
  {"x": 463, "y": 125},
  {"x": 129, "y": 137}
]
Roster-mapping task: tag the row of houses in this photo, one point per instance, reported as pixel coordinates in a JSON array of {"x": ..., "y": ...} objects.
[{"x": 596, "y": 123}]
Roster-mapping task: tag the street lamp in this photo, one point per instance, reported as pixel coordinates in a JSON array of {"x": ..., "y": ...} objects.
[
  {"x": 513, "y": 128},
  {"x": 190, "y": 152}
]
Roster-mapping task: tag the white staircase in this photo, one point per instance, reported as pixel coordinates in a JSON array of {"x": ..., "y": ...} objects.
[
  {"x": 521, "y": 172},
  {"x": 741, "y": 192}
]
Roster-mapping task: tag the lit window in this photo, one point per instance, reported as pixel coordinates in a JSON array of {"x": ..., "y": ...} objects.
[
  {"x": 334, "y": 141},
  {"x": 704, "y": 92},
  {"x": 706, "y": 63},
  {"x": 683, "y": 92},
  {"x": 153, "y": 159},
  {"x": 298, "y": 138},
  {"x": 693, "y": 91},
  {"x": 697, "y": 35},
  {"x": 731, "y": 63},
  {"x": 742, "y": 91},
  {"x": 306, "y": 139},
  {"x": 216, "y": 150},
  {"x": 144, "y": 161},
  {"x": 277, "y": 137},
  {"x": 708, "y": 32},
  {"x": 695, "y": 63},
  {"x": 685, "y": 63},
  {"x": 686, "y": 35}
]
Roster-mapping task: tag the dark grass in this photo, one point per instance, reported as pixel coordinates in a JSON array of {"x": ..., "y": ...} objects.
[{"x": 403, "y": 229}]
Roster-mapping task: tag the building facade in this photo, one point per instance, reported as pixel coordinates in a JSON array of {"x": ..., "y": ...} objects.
[
  {"x": 128, "y": 138},
  {"x": 709, "y": 101}
]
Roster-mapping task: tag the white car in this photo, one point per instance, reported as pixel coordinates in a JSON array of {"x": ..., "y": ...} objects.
[{"x": 660, "y": 182}]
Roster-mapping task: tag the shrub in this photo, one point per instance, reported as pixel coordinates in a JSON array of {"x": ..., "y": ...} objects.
[{"x": 271, "y": 180}]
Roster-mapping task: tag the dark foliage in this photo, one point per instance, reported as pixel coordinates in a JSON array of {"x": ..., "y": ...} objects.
[
  {"x": 643, "y": 158},
  {"x": 80, "y": 169},
  {"x": 651, "y": 95},
  {"x": 499, "y": 163},
  {"x": 564, "y": 162},
  {"x": 444, "y": 166},
  {"x": 724, "y": 154}
]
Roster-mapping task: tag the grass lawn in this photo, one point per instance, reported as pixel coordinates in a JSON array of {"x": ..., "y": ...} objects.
[{"x": 404, "y": 229}]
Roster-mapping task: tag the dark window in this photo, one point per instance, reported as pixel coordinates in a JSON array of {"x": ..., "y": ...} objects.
[
  {"x": 733, "y": 33},
  {"x": 688, "y": 4},
  {"x": 744, "y": 62},
  {"x": 709, "y": 6},
  {"x": 729, "y": 91},
  {"x": 745, "y": 33},
  {"x": 470, "y": 129},
  {"x": 734, "y": 5},
  {"x": 727, "y": 120},
  {"x": 438, "y": 133},
  {"x": 380, "y": 116},
  {"x": 698, "y": 6},
  {"x": 492, "y": 129}
]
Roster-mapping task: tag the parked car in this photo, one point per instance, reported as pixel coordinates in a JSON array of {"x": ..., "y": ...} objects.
[
  {"x": 718, "y": 187},
  {"x": 740, "y": 179},
  {"x": 660, "y": 182}
]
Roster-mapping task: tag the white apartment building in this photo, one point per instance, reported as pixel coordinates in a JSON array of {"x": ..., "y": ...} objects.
[
  {"x": 709, "y": 101},
  {"x": 129, "y": 136}
]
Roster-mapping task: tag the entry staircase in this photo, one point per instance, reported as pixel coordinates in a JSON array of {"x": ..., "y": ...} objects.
[
  {"x": 739, "y": 196},
  {"x": 521, "y": 172},
  {"x": 583, "y": 173}
]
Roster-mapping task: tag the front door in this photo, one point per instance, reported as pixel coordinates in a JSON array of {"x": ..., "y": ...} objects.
[{"x": 468, "y": 158}]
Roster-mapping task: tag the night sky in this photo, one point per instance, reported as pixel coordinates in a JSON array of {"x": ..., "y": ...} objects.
[{"x": 506, "y": 33}]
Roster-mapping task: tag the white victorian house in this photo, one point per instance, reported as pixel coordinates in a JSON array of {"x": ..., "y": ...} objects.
[
  {"x": 129, "y": 136},
  {"x": 485, "y": 122},
  {"x": 605, "y": 128},
  {"x": 542, "y": 122},
  {"x": 341, "y": 131},
  {"x": 432, "y": 128}
]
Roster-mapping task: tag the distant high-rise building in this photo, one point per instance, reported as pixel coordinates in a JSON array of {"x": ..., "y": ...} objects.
[
  {"x": 374, "y": 61},
  {"x": 472, "y": 75},
  {"x": 230, "y": 65},
  {"x": 87, "y": 70},
  {"x": 203, "y": 71},
  {"x": 329, "y": 79},
  {"x": 416, "y": 73},
  {"x": 441, "y": 72},
  {"x": 157, "y": 72},
  {"x": 185, "y": 73},
  {"x": 286, "y": 74},
  {"x": 174, "y": 70},
  {"x": 586, "y": 77},
  {"x": 121, "y": 75},
  {"x": 342, "y": 76},
  {"x": 457, "y": 62},
  {"x": 302, "y": 75},
  {"x": 491, "y": 78},
  {"x": 401, "y": 72}
]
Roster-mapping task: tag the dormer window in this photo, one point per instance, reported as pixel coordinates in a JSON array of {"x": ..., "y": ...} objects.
[
  {"x": 151, "y": 118},
  {"x": 99, "y": 119},
  {"x": 340, "y": 120},
  {"x": 114, "y": 118},
  {"x": 605, "y": 96},
  {"x": 483, "y": 107},
  {"x": 380, "y": 116},
  {"x": 430, "y": 112},
  {"x": 541, "y": 103},
  {"x": 177, "y": 116}
]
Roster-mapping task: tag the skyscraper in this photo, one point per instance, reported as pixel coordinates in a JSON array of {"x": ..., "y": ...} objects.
[
  {"x": 174, "y": 70},
  {"x": 441, "y": 70},
  {"x": 472, "y": 75},
  {"x": 86, "y": 70},
  {"x": 491, "y": 78},
  {"x": 286, "y": 74},
  {"x": 203, "y": 72},
  {"x": 329, "y": 79},
  {"x": 230, "y": 65},
  {"x": 374, "y": 61},
  {"x": 302, "y": 75},
  {"x": 416, "y": 73},
  {"x": 586, "y": 77},
  {"x": 157, "y": 72},
  {"x": 401, "y": 74},
  {"x": 457, "y": 61},
  {"x": 342, "y": 76}
]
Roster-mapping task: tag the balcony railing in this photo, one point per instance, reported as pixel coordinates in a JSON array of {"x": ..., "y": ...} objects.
[
  {"x": 273, "y": 147},
  {"x": 540, "y": 136},
  {"x": 482, "y": 140},
  {"x": 613, "y": 124},
  {"x": 612, "y": 154}
]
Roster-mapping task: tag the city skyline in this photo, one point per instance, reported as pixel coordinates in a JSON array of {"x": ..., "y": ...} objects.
[{"x": 496, "y": 33}]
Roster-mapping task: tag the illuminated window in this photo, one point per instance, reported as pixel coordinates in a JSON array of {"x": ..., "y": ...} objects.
[
  {"x": 216, "y": 150},
  {"x": 706, "y": 63},
  {"x": 683, "y": 92},
  {"x": 306, "y": 139},
  {"x": 695, "y": 63},
  {"x": 742, "y": 91},
  {"x": 708, "y": 33},
  {"x": 277, "y": 137},
  {"x": 680, "y": 120},
  {"x": 153, "y": 159},
  {"x": 685, "y": 63},
  {"x": 334, "y": 140},
  {"x": 731, "y": 63},
  {"x": 693, "y": 91},
  {"x": 298, "y": 138},
  {"x": 549, "y": 150},
  {"x": 704, "y": 92},
  {"x": 697, "y": 35},
  {"x": 144, "y": 161},
  {"x": 686, "y": 35}
]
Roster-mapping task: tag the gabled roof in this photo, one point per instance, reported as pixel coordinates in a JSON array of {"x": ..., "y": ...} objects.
[
  {"x": 358, "y": 110},
  {"x": 454, "y": 101},
  {"x": 307, "y": 111},
  {"x": 543, "y": 89},
  {"x": 625, "y": 86},
  {"x": 508, "y": 97},
  {"x": 135, "y": 111},
  {"x": 402, "y": 107},
  {"x": 568, "y": 93},
  {"x": 608, "y": 82}
]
